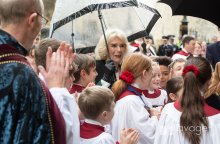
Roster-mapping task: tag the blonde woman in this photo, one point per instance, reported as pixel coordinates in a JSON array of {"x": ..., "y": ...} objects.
[{"x": 108, "y": 60}]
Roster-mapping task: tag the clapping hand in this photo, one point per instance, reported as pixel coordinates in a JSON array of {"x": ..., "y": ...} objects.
[
  {"x": 57, "y": 65},
  {"x": 129, "y": 136}
]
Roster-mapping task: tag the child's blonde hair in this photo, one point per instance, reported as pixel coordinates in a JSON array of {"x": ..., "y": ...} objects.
[{"x": 94, "y": 100}]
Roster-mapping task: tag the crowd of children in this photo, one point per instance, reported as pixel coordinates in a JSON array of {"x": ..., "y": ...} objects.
[
  {"x": 144, "y": 99},
  {"x": 121, "y": 96}
]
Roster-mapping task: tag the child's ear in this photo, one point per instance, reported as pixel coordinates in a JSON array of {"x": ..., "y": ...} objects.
[
  {"x": 144, "y": 73},
  {"x": 104, "y": 115},
  {"x": 172, "y": 96},
  {"x": 82, "y": 73}
]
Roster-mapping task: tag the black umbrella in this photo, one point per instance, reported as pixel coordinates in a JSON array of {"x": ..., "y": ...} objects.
[{"x": 205, "y": 9}]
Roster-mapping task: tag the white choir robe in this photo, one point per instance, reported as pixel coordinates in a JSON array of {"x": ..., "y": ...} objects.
[
  {"x": 75, "y": 90},
  {"x": 130, "y": 113},
  {"x": 158, "y": 98},
  {"x": 69, "y": 109},
  {"x": 169, "y": 130},
  {"x": 91, "y": 132}
]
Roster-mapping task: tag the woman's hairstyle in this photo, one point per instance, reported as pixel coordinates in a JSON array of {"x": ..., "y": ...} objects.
[
  {"x": 101, "y": 52},
  {"x": 134, "y": 63},
  {"x": 197, "y": 72},
  {"x": 83, "y": 62},
  {"x": 94, "y": 100},
  {"x": 174, "y": 85},
  {"x": 163, "y": 60}
]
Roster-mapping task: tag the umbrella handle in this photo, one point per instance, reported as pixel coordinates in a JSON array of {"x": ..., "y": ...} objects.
[{"x": 100, "y": 18}]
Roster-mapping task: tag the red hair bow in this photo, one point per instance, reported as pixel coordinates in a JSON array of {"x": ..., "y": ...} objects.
[
  {"x": 127, "y": 77},
  {"x": 191, "y": 68}
]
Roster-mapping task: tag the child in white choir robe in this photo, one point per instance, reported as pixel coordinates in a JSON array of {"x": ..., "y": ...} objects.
[
  {"x": 189, "y": 120},
  {"x": 174, "y": 86},
  {"x": 155, "y": 95},
  {"x": 65, "y": 101},
  {"x": 176, "y": 67},
  {"x": 164, "y": 63},
  {"x": 97, "y": 105},
  {"x": 85, "y": 74},
  {"x": 132, "y": 109}
]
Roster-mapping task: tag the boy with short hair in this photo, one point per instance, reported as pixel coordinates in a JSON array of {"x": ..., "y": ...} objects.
[
  {"x": 85, "y": 74},
  {"x": 97, "y": 105}
]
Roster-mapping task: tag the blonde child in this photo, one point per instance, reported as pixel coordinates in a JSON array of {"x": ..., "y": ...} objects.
[
  {"x": 155, "y": 95},
  {"x": 97, "y": 105},
  {"x": 176, "y": 67}
]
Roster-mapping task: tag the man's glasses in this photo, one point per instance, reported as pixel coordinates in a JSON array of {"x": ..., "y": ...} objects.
[{"x": 44, "y": 20}]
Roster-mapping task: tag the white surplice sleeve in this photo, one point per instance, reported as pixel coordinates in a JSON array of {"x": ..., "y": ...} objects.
[
  {"x": 68, "y": 107},
  {"x": 130, "y": 113}
]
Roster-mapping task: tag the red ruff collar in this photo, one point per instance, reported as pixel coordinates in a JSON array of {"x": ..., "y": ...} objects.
[
  {"x": 76, "y": 88},
  {"x": 156, "y": 93},
  {"x": 88, "y": 131}
]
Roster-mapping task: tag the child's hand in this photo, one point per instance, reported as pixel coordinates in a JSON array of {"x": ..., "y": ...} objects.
[
  {"x": 159, "y": 108},
  {"x": 129, "y": 136},
  {"x": 155, "y": 112},
  {"x": 91, "y": 84},
  {"x": 57, "y": 68}
]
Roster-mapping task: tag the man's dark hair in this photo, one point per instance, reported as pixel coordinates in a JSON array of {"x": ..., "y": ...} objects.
[{"x": 187, "y": 39}]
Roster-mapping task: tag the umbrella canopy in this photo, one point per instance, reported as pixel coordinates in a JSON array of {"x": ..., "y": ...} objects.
[
  {"x": 77, "y": 21},
  {"x": 205, "y": 9}
]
